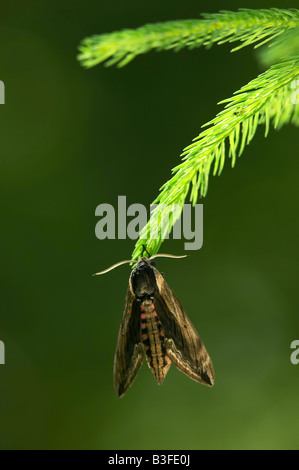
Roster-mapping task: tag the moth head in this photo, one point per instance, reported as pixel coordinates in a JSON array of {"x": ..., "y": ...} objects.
[{"x": 143, "y": 281}]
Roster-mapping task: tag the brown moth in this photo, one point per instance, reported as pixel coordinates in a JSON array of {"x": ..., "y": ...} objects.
[{"x": 155, "y": 323}]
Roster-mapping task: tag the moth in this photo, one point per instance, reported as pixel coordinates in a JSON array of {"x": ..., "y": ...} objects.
[{"x": 155, "y": 324}]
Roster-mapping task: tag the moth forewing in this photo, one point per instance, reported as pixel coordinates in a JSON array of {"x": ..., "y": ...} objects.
[
  {"x": 183, "y": 344},
  {"x": 129, "y": 350}
]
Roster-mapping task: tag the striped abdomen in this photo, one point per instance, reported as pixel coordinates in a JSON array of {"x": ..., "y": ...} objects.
[{"x": 152, "y": 336}]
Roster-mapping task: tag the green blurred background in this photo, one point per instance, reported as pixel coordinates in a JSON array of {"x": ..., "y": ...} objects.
[{"x": 72, "y": 139}]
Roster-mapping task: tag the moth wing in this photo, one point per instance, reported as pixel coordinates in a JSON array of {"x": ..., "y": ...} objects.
[
  {"x": 129, "y": 351},
  {"x": 183, "y": 344}
]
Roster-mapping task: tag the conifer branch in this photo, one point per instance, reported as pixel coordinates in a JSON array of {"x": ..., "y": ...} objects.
[
  {"x": 285, "y": 47},
  {"x": 265, "y": 100},
  {"x": 269, "y": 99},
  {"x": 250, "y": 27}
]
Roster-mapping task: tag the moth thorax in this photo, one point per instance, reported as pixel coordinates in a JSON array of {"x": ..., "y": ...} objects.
[{"x": 143, "y": 282}]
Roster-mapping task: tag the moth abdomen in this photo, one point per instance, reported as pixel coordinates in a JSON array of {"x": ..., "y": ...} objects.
[{"x": 153, "y": 339}]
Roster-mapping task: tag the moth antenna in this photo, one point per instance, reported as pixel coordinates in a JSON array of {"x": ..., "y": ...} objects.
[
  {"x": 115, "y": 266},
  {"x": 164, "y": 255}
]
